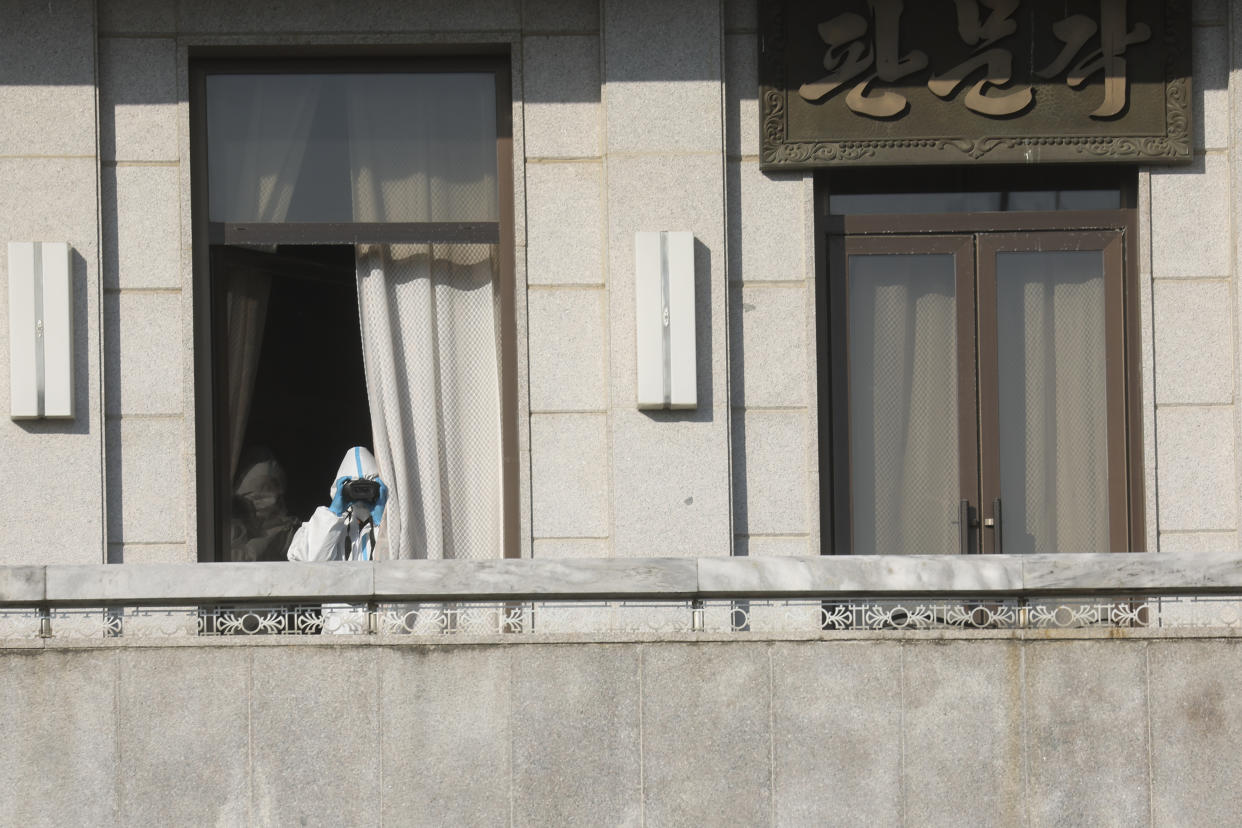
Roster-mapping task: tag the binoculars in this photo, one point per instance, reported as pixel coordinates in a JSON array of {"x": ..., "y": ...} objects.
[{"x": 365, "y": 491}]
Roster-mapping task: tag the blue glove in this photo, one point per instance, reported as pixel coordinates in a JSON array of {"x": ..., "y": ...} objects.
[
  {"x": 377, "y": 512},
  {"x": 338, "y": 505}
]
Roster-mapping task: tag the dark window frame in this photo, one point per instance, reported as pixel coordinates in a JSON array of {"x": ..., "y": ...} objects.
[
  {"x": 211, "y": 486},
  {"x": 1116, "y": 233}
]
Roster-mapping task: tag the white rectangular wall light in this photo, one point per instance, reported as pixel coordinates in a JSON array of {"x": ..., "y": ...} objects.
[
  {"x": 664, "y": 319},
  {"x": 40, "y": 330}
]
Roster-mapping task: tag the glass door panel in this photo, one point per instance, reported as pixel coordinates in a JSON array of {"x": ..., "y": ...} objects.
[
  {"x": 906, "y": 379},
  {"x": 1047, "y": 407}
]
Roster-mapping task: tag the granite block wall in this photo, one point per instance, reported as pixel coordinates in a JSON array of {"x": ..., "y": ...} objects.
[
  {"x": 893, "y": 730},
  {"x": 628, "y": 116},
  {"x": 49, "y": 191}
]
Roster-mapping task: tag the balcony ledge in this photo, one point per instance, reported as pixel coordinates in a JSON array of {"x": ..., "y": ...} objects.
[{"x": 623, "y": 579}]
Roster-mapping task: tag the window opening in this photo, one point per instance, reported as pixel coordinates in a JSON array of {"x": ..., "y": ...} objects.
[
  {"x": 983, "y": 397},
  {"x": 355, "y": 288}
]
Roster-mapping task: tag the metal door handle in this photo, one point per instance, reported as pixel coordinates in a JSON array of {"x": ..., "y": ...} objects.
[{"x": 994, "y": 523}]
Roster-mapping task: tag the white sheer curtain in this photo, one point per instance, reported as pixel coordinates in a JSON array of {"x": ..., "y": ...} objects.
[
  {"x": 903, "y": 404},
  {"x": 1053, "y": 402},
  {"x": 429, "y": 312}
]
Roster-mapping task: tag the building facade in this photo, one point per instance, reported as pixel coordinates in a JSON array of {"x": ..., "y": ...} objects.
[{"x": 481, "y": 291}]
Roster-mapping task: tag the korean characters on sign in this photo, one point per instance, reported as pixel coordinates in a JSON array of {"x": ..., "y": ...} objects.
[{"x": 864, "y": 56}]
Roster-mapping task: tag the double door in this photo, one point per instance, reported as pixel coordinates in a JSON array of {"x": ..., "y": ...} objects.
[{"x": 979, "y": 390}]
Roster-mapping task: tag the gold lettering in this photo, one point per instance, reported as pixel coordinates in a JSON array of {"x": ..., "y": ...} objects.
[
  {"x": 1076, "y": 31},
  {"x": 849, "y": 56},
  {"x": 985, "y": 97}
]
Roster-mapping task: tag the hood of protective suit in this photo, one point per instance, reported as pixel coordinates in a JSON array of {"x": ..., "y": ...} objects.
[{"x": 357, "y": 464}]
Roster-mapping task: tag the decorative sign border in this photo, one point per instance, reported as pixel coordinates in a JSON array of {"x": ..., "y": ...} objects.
[{"x": 779, "y": 152}]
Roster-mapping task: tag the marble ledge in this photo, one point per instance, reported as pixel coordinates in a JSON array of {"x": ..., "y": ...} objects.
[{"x": 621, "y": 579}]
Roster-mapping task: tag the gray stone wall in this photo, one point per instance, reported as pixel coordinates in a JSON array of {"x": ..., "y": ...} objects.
[
  {"x": 49, "y": 191},
  {"x": 628, "y": 116},
  {"x": 984, "y": 729}
]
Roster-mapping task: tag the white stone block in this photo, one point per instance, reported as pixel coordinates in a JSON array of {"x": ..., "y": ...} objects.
[
  {"x": 1209, "y": 11},
  {"x": 707, "y": 746},
  {"x": 1210, "y": 53},
  {"x": 741, "y": 95},
  {"x": 561, "y": 96},
  {"x": 859, "y": 779},
  {"x": 60, "y": 751},
  {"x": 1194, "y": 342},
  {"x": 571, "y": 548},
  {"x": 178, "y": 708},
  {"x": 767, "y": 238},
  {"x": 567, "y": 370},
  {"x": 146, "y": 480},
  {"x": 564, "y": 223},
  {"x": 43, "y": 200},
  {"x": 195, "y": 16},
  {"x": 141, "y": 227},
  {"x": 1196, "y": 468},
  {"x": 149, "y": 553},
  {"x": 1197, "y": 544},
  {"x": 775, "y": 546},
  {"x": 740, "y": 15},
  {"x": 137, "y": 17},
  {"x": 47, "y": 79},
  {"x": 1191, "y": 234},
  {"x": 964, "y": 702},
  {"x": 569, "y": 475},
  {"x": 576, "y": 750},
  {"x": 560, "y": 15},
  {"x": 1088, "y": 761},
  {"x": 770, "y": 472},
  {"x": 768, "y": 341},
  {"x": 142, "y": 353},
  {"x": 663, "y": 71},
  {"x": 138, "y": 99},
  {"x": 671, "y": 479}
]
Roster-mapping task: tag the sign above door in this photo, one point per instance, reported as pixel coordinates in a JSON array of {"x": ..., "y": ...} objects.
[{"x": 850, "y": 82}]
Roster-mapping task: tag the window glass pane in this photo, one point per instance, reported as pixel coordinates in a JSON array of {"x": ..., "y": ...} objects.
[
  {"x": 1053, "y": 401},
  {"x": 388, "y": 147},
  {"x": 903, "y": 404},
  {"x": 972, "y": 202}
]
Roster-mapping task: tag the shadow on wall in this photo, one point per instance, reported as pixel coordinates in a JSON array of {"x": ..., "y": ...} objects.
[{"x": 48, "y": 54}]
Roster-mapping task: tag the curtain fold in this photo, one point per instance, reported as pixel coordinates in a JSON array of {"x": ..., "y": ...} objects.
[
  {"x": 1053, "y": 402},
  {"x": 903, "y": 404}
]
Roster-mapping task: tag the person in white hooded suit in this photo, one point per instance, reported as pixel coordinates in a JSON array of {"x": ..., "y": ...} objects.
[{"x": 349, "y": 529}]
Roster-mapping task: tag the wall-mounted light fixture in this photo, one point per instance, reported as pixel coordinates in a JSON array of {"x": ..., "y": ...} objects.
[
  {"x": 40, "y": 330},
  {"x": 664, "y": 319}
]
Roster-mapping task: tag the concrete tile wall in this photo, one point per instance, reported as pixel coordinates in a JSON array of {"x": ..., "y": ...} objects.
[
  {"x": 1194, "y": 310},
  {"x": 49, "y": 182},
  {"x": 899, "y": 731},
  {"x": 149, "y": 402},
  {"x": 663, "y": 76},
  {"x": 1087, "y": 747},
  {"x": 630, "y": 116},
  {"x": 772, "y": 323}
]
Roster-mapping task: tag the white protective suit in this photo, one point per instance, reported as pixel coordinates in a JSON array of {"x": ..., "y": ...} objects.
[{"x": 343, "y": 531}]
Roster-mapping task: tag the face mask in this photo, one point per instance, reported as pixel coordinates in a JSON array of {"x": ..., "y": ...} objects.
[{"x": 361, "y": 511}]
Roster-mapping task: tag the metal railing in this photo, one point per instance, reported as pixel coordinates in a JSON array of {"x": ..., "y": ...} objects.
[{"x": 611, "y": 596}]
